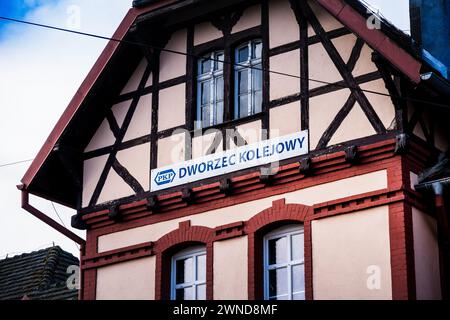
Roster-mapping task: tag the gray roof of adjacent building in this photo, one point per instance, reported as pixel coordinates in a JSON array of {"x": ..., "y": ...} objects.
[{"x": 39, "y": 275}]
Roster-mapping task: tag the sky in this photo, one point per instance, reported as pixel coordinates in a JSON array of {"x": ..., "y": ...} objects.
[{"x": 40, "y": 70}]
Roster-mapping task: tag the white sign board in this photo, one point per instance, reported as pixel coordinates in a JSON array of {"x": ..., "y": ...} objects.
[{"x": 252, "y": 155}]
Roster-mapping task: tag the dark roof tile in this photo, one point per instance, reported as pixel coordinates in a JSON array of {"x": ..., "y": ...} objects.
[{"x": 39, "y": 275}]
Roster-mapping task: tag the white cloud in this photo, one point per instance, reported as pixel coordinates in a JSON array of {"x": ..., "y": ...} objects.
[
  {"x": 395, "y": 11},
  {"x": 40, "y": 72}
]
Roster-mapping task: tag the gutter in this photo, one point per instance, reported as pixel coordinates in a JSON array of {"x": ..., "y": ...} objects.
[
  {"x": 46, "y": 219},
  {"x": 437, "y": 188},
  {"x": 58, "y": 227},
  {"x": 143, "y": 3}
]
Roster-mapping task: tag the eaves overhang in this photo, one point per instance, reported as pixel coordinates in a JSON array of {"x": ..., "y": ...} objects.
[
  {"x": 84, "y": 90},
  {"x": 434, "y": 81}
]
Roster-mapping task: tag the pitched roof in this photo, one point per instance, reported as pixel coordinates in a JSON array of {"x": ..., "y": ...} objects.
[
  {"x": 39, "y": 275},
  {"x": 390, "y": 43}
]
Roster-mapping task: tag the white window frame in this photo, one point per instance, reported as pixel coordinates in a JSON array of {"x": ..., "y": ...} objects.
[
  {"x": 191, "y": 252},
  {"x": 214, "y": 74},
  {"x": 249, "y": 64},
  {"x": 286, "y": 231}
]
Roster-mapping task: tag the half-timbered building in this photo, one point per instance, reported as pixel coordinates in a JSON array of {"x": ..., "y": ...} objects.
[{"x": 254, "y": 149}]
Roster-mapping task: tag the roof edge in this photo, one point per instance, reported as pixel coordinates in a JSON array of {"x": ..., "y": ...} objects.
[
  {"x": 143, "y": 3},
  {"x": 379, "y": 41},
  {"x": 85, "y": 88}
]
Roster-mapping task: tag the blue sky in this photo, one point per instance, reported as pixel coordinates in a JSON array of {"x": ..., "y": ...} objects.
[
  {"x": 18, "y": 9},
  {"x": 49, "y": 65},
  {"x": 13, "y": 8}
]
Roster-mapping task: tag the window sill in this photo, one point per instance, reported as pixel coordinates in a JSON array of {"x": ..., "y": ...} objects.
[{"x": 232, "y": 123}]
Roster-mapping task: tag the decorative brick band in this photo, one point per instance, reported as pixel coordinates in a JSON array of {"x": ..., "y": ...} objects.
[
  {"x": 118, "y": 255},
  {"x": 328, "y": 168},
  {"x": 248, "y": 187},
  {"x": 357, "y": 203},
  {"x": 229, "y": 231}
]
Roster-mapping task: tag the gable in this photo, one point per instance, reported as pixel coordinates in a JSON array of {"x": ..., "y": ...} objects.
[{"x": 146, "y": 108}]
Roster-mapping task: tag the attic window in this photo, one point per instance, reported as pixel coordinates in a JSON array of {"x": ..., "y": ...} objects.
[
  {"x": 210, "y": 90},
  {"x": 238, "y": 88},
  {"x": 248, "y": 79}
]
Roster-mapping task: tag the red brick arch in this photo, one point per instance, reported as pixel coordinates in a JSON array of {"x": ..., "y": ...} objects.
[
  {"x": 186, "y": 235},
  {"x": 280, "y": 213}
]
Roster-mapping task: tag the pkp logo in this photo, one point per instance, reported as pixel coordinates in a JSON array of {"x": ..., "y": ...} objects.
[{"x": 165, "y": 177}]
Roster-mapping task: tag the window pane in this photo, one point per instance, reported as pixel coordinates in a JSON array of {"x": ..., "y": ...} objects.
[
  {"x": 243, "y": 106},
  {"x": 243, "y": 54},
  {"x": 204, "y": 92},
  {"x": 219, "y": 89},
  {"x": 219, "y": 65},
  {"x": 257, "y": 49},
  {"x": 298, "y": 278},
  {"x": 205, "y": 66},
  {"x": 201, "y": 268},
  {"x": 278, "y": 249},
  {"x": 218, "y": 116},
  {"x": 184, "y": 270},
  {"x": 185, "y": 293},
  {"x": 298, "y": 296},
  {"x": 297, "y": 247},
  {"x": 258, "y": 101},
  {"x": 219, "y": 112},
  {"x": 243, "y": 81},
  {"x": 278, "y": 282},
  {"x": 257, "y": 77},
  {"x": 283, "y": 297},
  {"x": 248, "y": 80},
  {"x": 201, "y": 292},
  {"x": 257, "y": 89},
  {"x": 206, "y": 116}
]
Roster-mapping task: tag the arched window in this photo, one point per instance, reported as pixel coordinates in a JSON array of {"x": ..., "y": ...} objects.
[
  {"x": 188, "y": 277},
  {"x": 248, "y": 79},
  {"x": 284, "y": 270}
]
